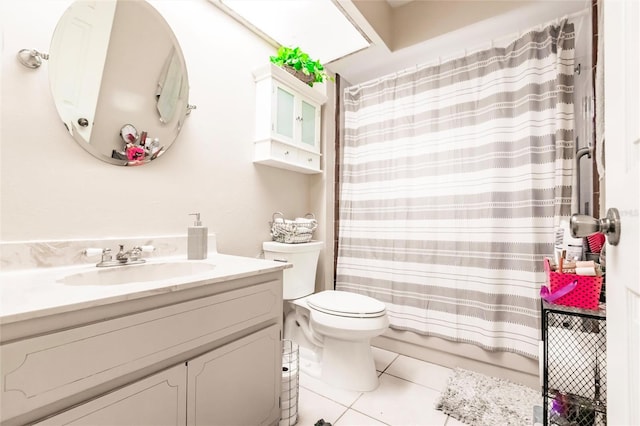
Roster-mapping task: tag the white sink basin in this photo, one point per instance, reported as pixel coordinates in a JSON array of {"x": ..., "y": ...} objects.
[{"x": 136, "y": 273}]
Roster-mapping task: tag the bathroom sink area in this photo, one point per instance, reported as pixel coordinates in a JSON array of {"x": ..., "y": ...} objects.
[
  {"x": 136, "y": 273},
  {"x": 35, "y": 293},
  {"x": 81, "y": 343}
]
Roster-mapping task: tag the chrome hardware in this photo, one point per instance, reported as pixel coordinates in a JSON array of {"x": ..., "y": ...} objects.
[
  {"x": 104, "y": 252},
  {"x": 588, "y": 150},
  {"x": 124, "y": 257},
  {"x": 286, "y": 153},
  {"x": 582, "y": 225},
  {"x": 83, "y": 122},
  {"x": 106, "y": 255},
  {"x": 130, "y": 257},
  {"x": 31, "y": 58}
]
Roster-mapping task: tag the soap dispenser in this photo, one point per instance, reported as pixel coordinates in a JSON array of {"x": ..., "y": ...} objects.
[{"x": 197, "y": 238}]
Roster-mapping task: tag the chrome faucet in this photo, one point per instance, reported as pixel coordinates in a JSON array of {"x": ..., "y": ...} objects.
[{"x": 130, "y": 257}]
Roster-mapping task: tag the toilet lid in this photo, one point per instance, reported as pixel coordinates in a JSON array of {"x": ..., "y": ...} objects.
[{"x": 346, "y": 304}]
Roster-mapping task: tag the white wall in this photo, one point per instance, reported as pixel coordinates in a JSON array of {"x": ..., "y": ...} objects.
[{"x": 51, "y": 189}]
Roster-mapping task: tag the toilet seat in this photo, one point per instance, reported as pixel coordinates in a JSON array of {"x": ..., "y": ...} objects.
[{"x": 346, "y": 304}]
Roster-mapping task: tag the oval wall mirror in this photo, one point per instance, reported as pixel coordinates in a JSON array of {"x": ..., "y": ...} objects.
[{"x": 119, "y": 80}]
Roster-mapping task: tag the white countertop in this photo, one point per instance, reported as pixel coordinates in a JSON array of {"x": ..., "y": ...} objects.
[{"x": 39, "y": 292}]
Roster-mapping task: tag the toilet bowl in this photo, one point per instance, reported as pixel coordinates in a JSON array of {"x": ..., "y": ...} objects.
[
  {"x": 332, "y": 328},
  {"x": 346, "y": 322}
]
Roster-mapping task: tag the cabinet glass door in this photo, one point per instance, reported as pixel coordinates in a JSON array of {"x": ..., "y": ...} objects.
[
  {"x": 284, "y": 114},
  {"x": 308, "y": 135}
]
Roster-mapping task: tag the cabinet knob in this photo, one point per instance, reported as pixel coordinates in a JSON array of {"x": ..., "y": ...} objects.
[
  {"x": 299, "y": 118},
  {"x": 309, "y": 159},
  {"x": 286, "y": 153}
]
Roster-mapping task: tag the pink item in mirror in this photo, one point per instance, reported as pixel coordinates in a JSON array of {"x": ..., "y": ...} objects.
[{"x": 135, "y": 153}]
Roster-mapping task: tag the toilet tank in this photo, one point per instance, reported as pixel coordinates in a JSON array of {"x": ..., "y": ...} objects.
[{"x": 300, "y": 280}]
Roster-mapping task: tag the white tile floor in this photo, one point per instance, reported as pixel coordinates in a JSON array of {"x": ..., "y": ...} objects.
[{"x": 408, "y": 391}]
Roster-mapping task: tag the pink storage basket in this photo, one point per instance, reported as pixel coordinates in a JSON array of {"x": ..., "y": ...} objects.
[
  {"x": 586, "y": 295},
  {"x": 596, "y": 241}
]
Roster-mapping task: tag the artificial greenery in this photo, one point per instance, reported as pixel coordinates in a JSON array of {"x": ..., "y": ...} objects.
[{"x": 300, "y": 61}]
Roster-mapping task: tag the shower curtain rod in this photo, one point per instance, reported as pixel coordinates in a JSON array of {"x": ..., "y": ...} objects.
[
  {"x": 489, "y": 44},
  {"x": 505, "y": 39},
  {"x": 577, "y": 14}
]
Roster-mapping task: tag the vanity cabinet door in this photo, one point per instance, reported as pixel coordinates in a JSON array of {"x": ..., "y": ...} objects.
[
  {"x": 157, "y": 400},
  {"x": 238, "y": 383}
]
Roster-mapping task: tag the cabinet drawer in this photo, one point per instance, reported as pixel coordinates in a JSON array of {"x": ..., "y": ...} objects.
[
  {"x": 284, "y": 152},
  {"x": 44, "y": 369},
  {"x": 309, "y": 159},
  {"x": 276, "y": 154}
]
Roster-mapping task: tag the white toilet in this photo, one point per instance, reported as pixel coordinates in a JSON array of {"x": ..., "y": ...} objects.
[{"x": 332, "y": 328}]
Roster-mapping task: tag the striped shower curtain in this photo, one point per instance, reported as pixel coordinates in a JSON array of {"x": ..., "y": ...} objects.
[{"x": 453, "y": 178}]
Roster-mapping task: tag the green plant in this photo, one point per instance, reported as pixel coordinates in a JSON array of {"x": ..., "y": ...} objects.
[{"x": 300, "y": 61}]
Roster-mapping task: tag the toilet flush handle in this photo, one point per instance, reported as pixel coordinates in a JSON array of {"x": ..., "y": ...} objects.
[{"x": 280, "y": 260}]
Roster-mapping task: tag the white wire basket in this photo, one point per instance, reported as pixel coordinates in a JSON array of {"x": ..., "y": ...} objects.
[
  {"x": 299, "y": 230},
  {"x": 290, "y": 383}
]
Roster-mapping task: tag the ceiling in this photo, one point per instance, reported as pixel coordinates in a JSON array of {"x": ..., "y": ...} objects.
[
  {"x": 301, "y": 23},
  {"x": 393, "y": 35}
]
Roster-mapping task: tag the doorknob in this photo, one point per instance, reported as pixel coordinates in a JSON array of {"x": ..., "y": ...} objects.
[{"x": 582, "y": 225}]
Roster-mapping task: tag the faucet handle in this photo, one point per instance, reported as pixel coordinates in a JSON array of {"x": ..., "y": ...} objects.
[
  {"x": 146, "y": 249},
  {"x": 93, "y": 251},
  {"x": 97, "y": 251},
  {"x": 105, "y": 252}
]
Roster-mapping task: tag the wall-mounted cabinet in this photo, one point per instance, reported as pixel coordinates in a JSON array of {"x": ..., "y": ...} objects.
[{"x": 288, "y": 121}]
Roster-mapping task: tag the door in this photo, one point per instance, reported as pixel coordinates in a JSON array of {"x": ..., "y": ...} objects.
[
  {"x": 157, "y": 400},
  {"x": 237, "y": 384},
  {"x": 85, "y": 35},
  {"x": 622, "y": 147}
]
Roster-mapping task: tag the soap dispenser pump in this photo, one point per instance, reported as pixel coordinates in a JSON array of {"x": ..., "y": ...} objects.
[{"x": 197, "y": 237}]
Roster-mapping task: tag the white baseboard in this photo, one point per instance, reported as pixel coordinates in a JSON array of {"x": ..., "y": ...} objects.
[{"x": 505, "y": 365}]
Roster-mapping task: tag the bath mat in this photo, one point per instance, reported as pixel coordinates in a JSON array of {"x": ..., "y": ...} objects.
[{"x": 480, "y": 400}]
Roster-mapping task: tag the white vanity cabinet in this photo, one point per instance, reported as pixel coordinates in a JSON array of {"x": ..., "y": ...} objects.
[
  {"x": 288, "y": 121},
  {"x": 206, "y": 355},
  {"x": 236, "y": 384}
]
